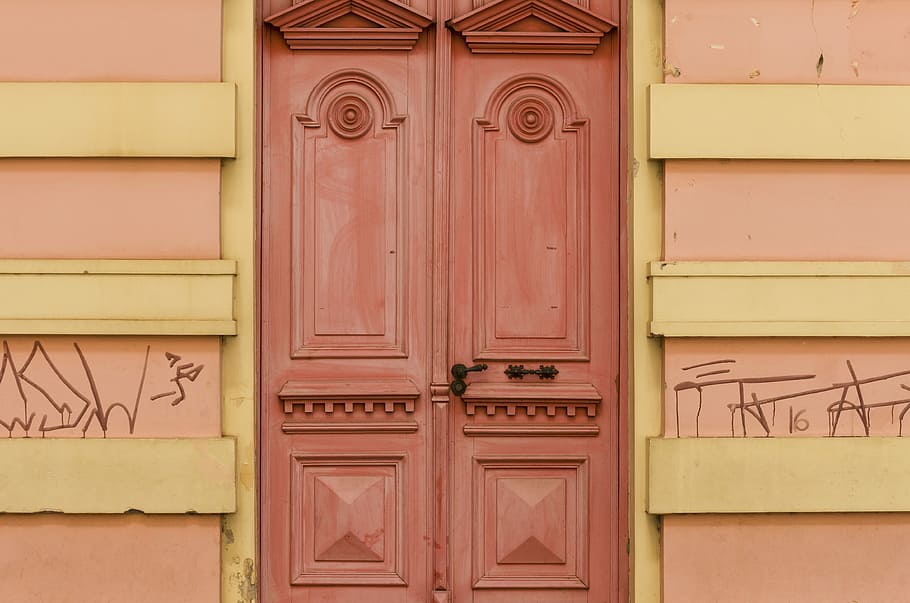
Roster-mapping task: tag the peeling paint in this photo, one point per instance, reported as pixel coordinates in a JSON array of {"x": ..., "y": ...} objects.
[
  {"x": 672, "y": 70},
  {"x": 717, "y": 47},
  {"x": 227, "y": 532},
  {"x": 755, "y": 22},
  {"x": 855, "y": 66},
  {"x": 635, "y": 166},
  {"x": 854, "y": 8},
  {"x": 246, "y": 476},
  {"x": 247, "y": 586}
]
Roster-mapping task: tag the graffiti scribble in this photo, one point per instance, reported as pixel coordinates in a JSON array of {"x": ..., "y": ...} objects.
[
  {"x": 85, "y": 408},
  {"x": 848, "y": 396},
  {"x": 188, "y": 372}
]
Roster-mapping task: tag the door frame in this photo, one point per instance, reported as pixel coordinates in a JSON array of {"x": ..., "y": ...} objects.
[{"x": 626, "y": 161}]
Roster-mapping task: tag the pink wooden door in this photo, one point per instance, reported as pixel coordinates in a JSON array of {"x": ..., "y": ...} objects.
[{"x": 440, "y": 187}]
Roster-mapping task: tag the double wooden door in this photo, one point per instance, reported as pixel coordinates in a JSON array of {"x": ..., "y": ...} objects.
[{"x": 440, "y": 188}]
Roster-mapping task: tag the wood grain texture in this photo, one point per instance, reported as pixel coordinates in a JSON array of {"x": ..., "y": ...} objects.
[{"x": 346, "y": 305}]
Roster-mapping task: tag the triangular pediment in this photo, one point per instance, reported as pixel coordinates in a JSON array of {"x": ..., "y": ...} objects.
[
  {"x": 350, "y": 25},
  {"x": 532, "y": 26}
]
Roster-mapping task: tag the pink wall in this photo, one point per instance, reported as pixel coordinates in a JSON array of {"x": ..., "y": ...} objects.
[
  {"x": 110, "y": 208},
  {"x": 787, "y": 210},
  {"x": 110, "y": 40},
  {"x": 52, "y": 558},
  {"x": 780, "y": 41},
  {"x": 778, "y": 558}
]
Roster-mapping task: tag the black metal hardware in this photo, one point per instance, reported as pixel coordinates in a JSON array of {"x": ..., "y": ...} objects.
[
  {"x": 460, "y": 371},
  {"x": 518, "y": 371}
]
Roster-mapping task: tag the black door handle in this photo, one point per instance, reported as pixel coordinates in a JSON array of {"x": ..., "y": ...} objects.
[{"x": 460, "y": 371}]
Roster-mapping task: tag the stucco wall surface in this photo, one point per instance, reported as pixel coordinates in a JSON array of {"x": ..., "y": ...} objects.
[
  {"x": 93, "y": 90},
  {"x": 791, "y": 224}
]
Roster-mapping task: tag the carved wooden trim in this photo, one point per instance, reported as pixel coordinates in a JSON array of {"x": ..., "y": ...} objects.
[
  {"x": 347, "y": 396},
  {"x": 440, "y": 483},
  {"x": 388, "y": 25},
  {"x": 492, "y": 398},
  {"x": 292, "y": 427},
  {"x": 356, "y": 106},
  {"x": 536, "y": 110},
  {"x": 496, "y": 28},
  {"x": 496, "y": 430}
]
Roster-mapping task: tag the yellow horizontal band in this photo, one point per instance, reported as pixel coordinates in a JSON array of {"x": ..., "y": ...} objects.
[
  {"x": 117, "y": 297},
  {"x": 117, "y": 475},
  {"x": 744, "y": 299},
  {"x": 765, "y": 268},
  {"x": 118, "y": 266},
  {"x": 758, "y": 121},
  {"x": 778, "y": 475},
  {"x": 50, "y": 326},
  {"x": 117, "y": 119}
]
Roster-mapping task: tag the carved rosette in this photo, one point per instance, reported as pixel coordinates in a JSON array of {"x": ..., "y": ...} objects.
[
  {"x": 530, "y": 119},
  {"x": 350, "y": 116}
]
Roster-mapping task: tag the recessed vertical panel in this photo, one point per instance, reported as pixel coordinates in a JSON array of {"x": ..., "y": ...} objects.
[
  {"x": 531, "y": 201},
  {"x": 350, "y": 209},
  {"x": 530, "y": 240},
  {"x": 350, "y": 254}
]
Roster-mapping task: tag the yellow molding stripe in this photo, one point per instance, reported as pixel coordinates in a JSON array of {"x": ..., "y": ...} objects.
[
  {"x": 117, "y": 119},
  {"x": 645, "y": 243},
  {"x": 241, "y": 24},
  {"x": 778, "y": 475},
  {"x": 131, "y": 297},
  {"x": 780, "y": 268},
  {"x": 758, "y": 121},
  {"x": 118, "y": 267},
  {"x": 751, "y": 299},
  {"x": 106, "y": 326},
  {"x": 117, "y": 475}
]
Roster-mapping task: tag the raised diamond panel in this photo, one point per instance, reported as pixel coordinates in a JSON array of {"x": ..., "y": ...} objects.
[
  {"x": 347, "y": 519},
  {"x": 530, "y": 523},
  {"x": 531, "y": 520}
]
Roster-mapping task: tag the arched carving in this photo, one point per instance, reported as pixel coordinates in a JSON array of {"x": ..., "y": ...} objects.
[
  {"x": 534, "y": 85},
  {"x": 358, "y": 83},
  {"x": 350, "y": 208},
  {"x": 531, "y": 194}
]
